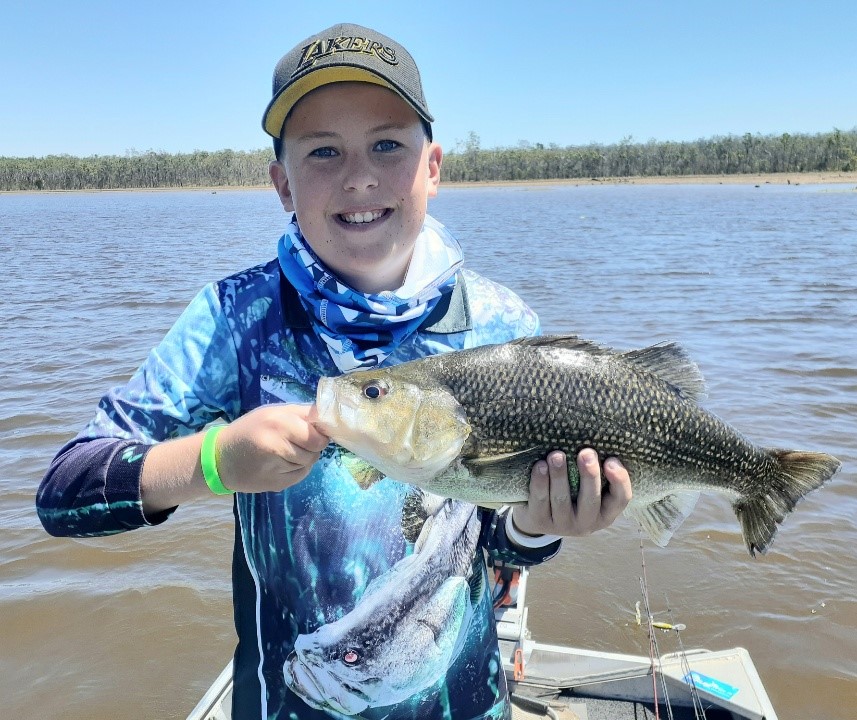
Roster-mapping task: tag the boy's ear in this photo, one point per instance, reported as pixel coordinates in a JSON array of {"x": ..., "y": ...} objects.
[
  {"x": 281, "y": 184},
  {"x": 435, "y": 159}
]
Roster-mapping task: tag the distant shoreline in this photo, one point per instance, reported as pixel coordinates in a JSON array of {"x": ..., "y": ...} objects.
[{"x": 808, "y": 178}]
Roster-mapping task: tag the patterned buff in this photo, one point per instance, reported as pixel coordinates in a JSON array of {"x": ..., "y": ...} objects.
[{"x": 361, "y": 330}]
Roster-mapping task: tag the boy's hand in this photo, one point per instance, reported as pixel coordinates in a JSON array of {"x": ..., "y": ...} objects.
[
  {"x": 269, "y": 449},
  {"x": 550, "y": 510}
]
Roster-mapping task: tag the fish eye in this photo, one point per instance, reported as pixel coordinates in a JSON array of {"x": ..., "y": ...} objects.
[
  {"x": 350, "y": 657},
  {"x": 374, "y": 390}
]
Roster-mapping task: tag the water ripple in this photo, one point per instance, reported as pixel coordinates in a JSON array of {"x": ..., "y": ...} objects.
[{"x": 761, "y": 288}]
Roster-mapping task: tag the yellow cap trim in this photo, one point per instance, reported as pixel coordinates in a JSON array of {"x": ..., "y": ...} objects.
[{"x": 284, "y": 102}]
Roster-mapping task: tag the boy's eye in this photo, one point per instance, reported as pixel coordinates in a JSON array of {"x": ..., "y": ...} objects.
[
  {"x": 386, "y": 145},
  {"x": 323, "y": 152}
]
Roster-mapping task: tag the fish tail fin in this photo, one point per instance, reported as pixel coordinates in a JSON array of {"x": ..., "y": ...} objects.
[{"x": 795, "y": 474}]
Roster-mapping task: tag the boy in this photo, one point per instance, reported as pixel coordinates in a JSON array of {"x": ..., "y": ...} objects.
[{"x": 347, "y": 601}]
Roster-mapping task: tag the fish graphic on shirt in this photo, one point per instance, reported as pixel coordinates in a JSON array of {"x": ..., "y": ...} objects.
[{"x": 409, "y": 625}]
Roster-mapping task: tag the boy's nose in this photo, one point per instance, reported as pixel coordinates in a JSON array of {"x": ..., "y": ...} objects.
[{"x": 360, "y": 174}]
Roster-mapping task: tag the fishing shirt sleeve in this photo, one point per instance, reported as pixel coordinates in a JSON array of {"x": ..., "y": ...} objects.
[
  {"x": 191, "y": 378},
  {"x": 501, "y": 550}
]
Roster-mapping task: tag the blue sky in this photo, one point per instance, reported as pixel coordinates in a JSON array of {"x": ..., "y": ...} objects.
[{"x": 103, "y": 77}]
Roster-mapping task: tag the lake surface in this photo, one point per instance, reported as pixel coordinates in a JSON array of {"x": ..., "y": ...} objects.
[{"x": 759, "y": 283}]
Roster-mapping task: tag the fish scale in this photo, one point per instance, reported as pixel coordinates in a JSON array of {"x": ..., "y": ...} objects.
[
  {"x": 555, "y": 421},
  {"x": 470, "y": 424}
]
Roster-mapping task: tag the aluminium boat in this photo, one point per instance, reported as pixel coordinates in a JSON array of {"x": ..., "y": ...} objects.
[{"x": 568, "y": 683}]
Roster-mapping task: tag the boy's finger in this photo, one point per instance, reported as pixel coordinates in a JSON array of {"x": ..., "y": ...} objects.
[
  {"x": 538, "y": 511},
  {"x": 560, "y": 493},
  {"x": 614, "y": 502},
  {"x": 589, "y": 494}
]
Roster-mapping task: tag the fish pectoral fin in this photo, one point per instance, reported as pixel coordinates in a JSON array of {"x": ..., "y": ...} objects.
[
  {"x": 497, "y": 470},
  {"x": 671, "y": 363},
  {"x": 490, "y": 461},
  {"x": 364, "y": 474},
  {"x": 444, "y": 614},
  {"x": 663, "y": 517}
]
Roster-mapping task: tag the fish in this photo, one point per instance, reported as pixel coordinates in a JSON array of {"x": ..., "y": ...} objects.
[
  {"x": 407, "y": 628},
  {"x": 469, "y": 424}
]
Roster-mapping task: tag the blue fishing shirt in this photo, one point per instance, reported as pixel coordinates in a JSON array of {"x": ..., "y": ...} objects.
[{"x": 303, "y": 557}]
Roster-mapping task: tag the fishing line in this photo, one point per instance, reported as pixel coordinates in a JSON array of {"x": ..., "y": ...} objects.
[
  {"x": 698, "y": 709},
  {"x": 654, "y": 650}
]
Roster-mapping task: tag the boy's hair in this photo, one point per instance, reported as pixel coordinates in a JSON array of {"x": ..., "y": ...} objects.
[{"x": 343, "y": 53}]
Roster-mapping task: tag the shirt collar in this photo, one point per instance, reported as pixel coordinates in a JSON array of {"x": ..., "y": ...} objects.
[{"x": 450, "y": 315}]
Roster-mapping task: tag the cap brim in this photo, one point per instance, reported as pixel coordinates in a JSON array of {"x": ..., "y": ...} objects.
[{"x": 282, "y": 104}]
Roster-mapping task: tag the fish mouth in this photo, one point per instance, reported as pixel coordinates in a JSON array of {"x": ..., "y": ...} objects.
[
  {"x": 325, "y": 402},
  {"x": 336, "y": 417},
  {"x": 334, "y": 694}
]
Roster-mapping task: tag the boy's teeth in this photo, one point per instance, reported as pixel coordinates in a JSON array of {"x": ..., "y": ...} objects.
[{"x": 362, "y": 217}]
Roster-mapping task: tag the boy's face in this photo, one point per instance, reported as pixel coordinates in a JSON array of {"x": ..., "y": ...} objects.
[{"x": 357, "y": 170}]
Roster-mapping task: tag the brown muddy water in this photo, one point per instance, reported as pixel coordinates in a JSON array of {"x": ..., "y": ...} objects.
[{"x": 759, "y": 283}]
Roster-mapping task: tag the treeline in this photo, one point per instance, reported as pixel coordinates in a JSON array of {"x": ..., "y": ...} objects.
[
  {"x": 136, "y": 170},
  {"x": 835, "y": 151}
]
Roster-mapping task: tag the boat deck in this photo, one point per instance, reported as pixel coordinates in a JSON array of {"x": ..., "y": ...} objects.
[
  {"x": 591, "y": 709},
  {"x": 621, "y": 686},
  {"x": 567, "y": 683}
]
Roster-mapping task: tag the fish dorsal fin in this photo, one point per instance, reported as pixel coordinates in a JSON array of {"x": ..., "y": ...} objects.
[
  {"x": 418, "y": 510},
  {"x": 671, "y": 363},
  {"x": 663, "y": 517},
  {"x": 476, "y": 580},
  {"x": 565, "y": 342},
  {"x": 414, "y": 515},
  {"x": 669, "y": 360}
]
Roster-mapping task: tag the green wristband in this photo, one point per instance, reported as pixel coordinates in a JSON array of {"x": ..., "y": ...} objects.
[{"x": 208, "y": 460}]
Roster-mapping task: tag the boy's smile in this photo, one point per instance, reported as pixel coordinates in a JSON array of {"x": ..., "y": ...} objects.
[
  {"x": 357, "y": 169},
  {"x": 363, "y": 217}
]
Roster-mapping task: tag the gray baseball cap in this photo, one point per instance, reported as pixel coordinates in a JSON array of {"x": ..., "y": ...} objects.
[{"x": 343, "y": 53}]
